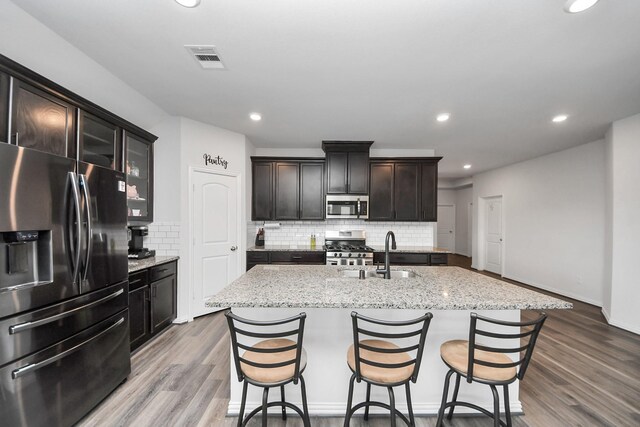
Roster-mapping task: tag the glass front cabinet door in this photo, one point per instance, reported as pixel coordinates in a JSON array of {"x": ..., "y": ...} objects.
[
  {"x": 139, "y": 170},
  {"x": 100, "y": 142}
]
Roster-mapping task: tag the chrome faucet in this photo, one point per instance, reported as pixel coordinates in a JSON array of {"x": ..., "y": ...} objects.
[{"x": 387, "y": 268}]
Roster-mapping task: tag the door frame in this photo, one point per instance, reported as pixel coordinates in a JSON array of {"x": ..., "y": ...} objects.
[
  {"x": 191, "y": 232},
  {"x": 454, "y": 225},
  {"x": 482, "y": 230}
]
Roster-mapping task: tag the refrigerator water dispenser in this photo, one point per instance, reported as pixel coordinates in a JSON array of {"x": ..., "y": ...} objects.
[{"x": 26, "y": 259}]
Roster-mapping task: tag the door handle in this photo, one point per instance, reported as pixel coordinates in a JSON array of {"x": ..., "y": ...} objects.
[
  {"x": 233, "y": 248},
  {"x": 87, "y": 200},
  {"x": 78, "y": 236}
]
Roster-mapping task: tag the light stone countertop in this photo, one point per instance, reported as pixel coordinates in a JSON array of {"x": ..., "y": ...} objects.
[
  {"x": 284, "y": 248},
  {"x": 142, "y": 264},
  {"x": 435, "y": 288},
  {"x": 412, "y": 249}
]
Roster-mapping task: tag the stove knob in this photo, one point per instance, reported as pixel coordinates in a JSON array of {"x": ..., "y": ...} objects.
[
  {"x": 349, "y": 254},
  {"x": 360, "y": 255},
  {"x": 340, "y": 254}
]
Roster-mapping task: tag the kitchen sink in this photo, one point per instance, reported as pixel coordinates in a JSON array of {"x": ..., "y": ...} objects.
[{"x": 395, "y": 274}]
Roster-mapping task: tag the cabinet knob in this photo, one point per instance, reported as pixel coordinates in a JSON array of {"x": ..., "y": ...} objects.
[{"x": 233, "y": 248}]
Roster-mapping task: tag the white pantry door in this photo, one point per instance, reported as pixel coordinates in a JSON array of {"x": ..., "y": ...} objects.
[
  {"x": 447, "y": 227},
  {"x": 214, "y": 219},
  {"x": 493, "y": 238}
]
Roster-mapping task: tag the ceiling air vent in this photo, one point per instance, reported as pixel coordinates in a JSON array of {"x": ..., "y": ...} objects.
[{"x": 207, "y": 56}]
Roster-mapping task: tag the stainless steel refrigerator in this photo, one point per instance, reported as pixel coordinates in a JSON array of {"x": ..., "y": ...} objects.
[{"x": 64, "y": 327}]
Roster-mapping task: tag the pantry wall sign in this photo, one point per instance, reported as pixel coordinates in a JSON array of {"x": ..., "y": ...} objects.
[{"x": 217, "y": 160}]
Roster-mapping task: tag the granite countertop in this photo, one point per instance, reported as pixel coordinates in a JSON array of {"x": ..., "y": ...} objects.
[
  {"x": 142, "y": 264},
  {"x": 413, "y": 249},
  {"x": 434, "y": 288},
  {"x": 283, "y": 248}
]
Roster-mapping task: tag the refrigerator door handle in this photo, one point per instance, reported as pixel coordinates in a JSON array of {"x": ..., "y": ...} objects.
[
  {"x": 87, "y": 200},
  {"x": 17, "y": 373},
  {"x": 78, "y": 225},
  {"x": 14, "y": 329}
]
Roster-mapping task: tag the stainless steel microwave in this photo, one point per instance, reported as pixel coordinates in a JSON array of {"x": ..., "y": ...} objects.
[{"x": 347, "y": 206}]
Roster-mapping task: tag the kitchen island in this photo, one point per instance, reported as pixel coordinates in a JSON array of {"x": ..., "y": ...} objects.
[{"x": 328, "y": 294}]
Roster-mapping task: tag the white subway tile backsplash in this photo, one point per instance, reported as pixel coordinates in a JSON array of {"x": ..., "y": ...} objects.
[
  {"x": 299, "y": 232},
  {"x": 164, "y": 237}
]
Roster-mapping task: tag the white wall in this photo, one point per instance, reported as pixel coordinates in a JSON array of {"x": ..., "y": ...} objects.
[
  {"x": 28, "y": 42},
  {"x": 196, "y": 139},
  {"x": 554, "y": 216},
  {"x": 623, "y": 227}
]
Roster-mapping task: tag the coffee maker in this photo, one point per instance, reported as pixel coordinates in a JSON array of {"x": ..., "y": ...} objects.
[{"x": 136, "y": 243}]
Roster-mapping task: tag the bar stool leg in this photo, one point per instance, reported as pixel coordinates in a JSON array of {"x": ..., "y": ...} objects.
[
  {"x": 507, "y": 409},
  {"x": 445, "y": 392},
  {"x": 347, "y": 416},
  {"x": 305, "y": 407},
  {"x": 284, "y": 408},
  {"x": 455, "y": 396},
  {"x": 242, "y": 403},
  {"x": 366, "y": 408},
  {"x": 496, "y": 406},
  {"x": 410, "y": 406},
  {"x": 265, "y": 396},
  {"x": 392, "y": 403}
]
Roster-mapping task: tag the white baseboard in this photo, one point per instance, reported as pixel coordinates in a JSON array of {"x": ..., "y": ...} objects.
[
  {"x": 181, "y": 320},
  {"x": 554, "y": 290},
  {"x": 622, "y": 325},
  {"x": 333, "y": 409}
]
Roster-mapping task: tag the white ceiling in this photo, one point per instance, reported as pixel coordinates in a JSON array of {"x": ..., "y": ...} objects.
[{"x": 376, "y": 69}]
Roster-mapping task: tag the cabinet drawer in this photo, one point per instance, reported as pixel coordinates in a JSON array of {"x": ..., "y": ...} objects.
[
  {"x": 138, "y": 279},
  {"x": 298, "y": 257},
  {"x": 399, "y": 258},
  {"x": 439, "y": 259},
  {"x": 257, "y": 257},
  {"x": 160, "y": 271}
]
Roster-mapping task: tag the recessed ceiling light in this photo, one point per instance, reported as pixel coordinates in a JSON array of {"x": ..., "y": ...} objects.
[
  {"x": 575, "y": 6},
  {"x": 560, "y": 118},
  {"x": 255, "y": 117},
  {"x": 443, "y": 117},
  {"x": 188, "y": 3},
  {"x": 467, "y": 166}
]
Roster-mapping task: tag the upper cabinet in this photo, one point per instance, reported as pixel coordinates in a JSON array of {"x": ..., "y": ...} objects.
[
  {"x": 287, "y": 189},
  {"x": 100, "y": 142},
  {"x": 347, "y": 166},
  {"x": 41, "y": 121},
  {"x": 403, "y": 189},
  {"x": 4, "y": 107},
  {"x": 139, "y": 170}
]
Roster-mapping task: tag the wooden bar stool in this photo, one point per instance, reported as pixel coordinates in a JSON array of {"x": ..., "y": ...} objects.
[
  {"x": 488, "y": 364},
  {"x": 383, "y": 363},
  {"x": 273, "y": 362}
]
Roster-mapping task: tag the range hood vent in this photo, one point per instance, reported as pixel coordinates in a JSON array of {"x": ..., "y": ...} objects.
[{"x": 207, "y": 56}]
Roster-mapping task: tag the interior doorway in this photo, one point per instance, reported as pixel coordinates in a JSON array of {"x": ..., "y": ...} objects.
[
  {"x": 446, "y": 234},
  {"x": 215, "y": 235},
  {"x": 490, "y": 221}
]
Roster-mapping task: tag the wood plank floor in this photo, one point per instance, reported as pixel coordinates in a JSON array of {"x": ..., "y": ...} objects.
[{"x": 583, "y": 373}]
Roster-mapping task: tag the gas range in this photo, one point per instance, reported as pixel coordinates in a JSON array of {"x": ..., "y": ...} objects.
[{"x": 347, "y": 247}]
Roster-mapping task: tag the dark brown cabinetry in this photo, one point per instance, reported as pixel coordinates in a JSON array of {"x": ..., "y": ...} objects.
[
  {"x": 41, "y": 121},
  {"x": 139, "y": 170},
  {"x": 152, "y": 302},
  {"x": 285, "y": 257},
  {"x": 347, "y": 166},
  {"x": 412, "y": 258},
  {"x": 403, "y": 189},
  {"x": 100, "y": 142},
  {"x": 287, "y": 189}
]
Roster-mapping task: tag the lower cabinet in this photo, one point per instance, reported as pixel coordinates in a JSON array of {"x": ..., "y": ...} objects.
[
  {"x": 285, "y": 257},
  {"x": 152, "y": 302},
  {"x": 412, "y": 258}
]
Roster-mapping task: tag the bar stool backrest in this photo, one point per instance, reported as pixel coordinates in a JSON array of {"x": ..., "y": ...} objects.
[
  {"x": 524, "y": 352},
  {"x": 238, "y": 341},
  {"x": 420, "y": 334}
]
